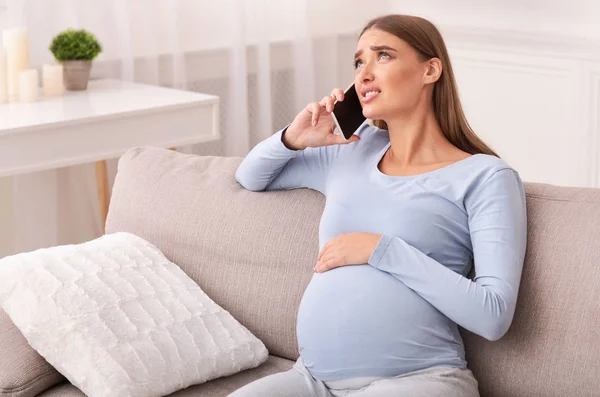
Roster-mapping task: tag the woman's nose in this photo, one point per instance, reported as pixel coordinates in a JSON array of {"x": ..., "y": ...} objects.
[{"x": 365, "y": 74}]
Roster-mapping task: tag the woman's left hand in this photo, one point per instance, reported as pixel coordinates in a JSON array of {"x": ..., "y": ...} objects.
[{"x": 347, "y": 249}]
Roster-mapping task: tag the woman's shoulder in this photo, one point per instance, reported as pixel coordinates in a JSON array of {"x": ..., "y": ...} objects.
[
  {"x": 487, "y": 165},
  {"x": 492, "y": 175}
]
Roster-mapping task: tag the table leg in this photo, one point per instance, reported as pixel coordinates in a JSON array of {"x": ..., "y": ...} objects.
[{"x": 103, "y": 194}]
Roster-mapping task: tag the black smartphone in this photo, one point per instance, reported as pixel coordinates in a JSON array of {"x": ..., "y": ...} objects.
[{"x": 348, "y": 115}]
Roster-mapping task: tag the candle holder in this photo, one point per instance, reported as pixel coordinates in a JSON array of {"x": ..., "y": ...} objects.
[
  {"x": 53, "y": 80},
  {"x": 75, "y": 49}
]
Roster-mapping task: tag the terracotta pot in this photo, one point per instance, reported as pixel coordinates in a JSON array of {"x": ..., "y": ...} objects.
[{"x": 76, "y": 74}]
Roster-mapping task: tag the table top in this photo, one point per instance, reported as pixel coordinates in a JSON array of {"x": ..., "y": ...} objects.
[{"x": 104, "y": 99}]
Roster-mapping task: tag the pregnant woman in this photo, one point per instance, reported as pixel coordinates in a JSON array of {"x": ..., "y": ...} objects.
[{"x": 424, "y": 228}]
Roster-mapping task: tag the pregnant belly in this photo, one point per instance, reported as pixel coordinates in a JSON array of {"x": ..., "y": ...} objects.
[{"x": 363, "y": 321}]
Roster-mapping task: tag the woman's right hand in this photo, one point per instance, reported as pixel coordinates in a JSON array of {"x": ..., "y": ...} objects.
[{"x": 314, "y": 125}]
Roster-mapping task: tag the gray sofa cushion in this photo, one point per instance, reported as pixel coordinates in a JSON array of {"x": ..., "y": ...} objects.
[
  {"x": 221, "y": 387},
  {"x": 23, "y": 372}
]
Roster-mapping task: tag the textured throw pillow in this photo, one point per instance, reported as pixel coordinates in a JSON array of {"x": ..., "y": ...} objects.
[{"x": 117, "y": 318}]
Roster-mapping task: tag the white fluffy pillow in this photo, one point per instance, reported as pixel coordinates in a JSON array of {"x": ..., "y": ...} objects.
[{"x": 117, "y": 318}]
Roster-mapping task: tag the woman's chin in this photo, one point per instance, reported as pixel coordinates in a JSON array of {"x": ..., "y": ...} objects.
[{"x": 370, "y": 114}]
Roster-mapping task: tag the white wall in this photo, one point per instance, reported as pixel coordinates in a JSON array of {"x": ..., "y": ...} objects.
[
  {"x": 529, "y": 78},
  {"x": 539, "y": 111}
]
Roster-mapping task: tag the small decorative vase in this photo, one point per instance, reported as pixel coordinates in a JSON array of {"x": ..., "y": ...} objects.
[{"x": 77, "y": 74}]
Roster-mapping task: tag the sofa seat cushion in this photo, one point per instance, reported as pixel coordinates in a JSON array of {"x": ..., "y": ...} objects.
[{"x": 216, "y": 388}]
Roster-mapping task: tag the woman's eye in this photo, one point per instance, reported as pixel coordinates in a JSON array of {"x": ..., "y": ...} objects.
[{"x": 381, "y": 55}]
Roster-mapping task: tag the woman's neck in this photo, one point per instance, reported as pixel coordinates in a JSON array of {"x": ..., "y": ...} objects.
[{"x": 417, "y": 139}]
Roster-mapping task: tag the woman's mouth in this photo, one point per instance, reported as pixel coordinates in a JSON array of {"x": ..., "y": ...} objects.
[{"x": 370, "y": 96}]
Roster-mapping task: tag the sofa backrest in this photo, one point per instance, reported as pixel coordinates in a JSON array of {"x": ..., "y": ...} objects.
[{"x": 253, "y": 253}]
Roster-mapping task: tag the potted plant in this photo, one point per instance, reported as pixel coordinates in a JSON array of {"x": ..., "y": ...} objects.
[{"x": 75, "y": 49}]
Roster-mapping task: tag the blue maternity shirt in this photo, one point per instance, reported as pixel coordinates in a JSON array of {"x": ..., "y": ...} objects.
[{"x": 399, "y": 312}]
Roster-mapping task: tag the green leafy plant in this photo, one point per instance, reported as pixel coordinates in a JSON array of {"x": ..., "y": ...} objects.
[{"x": 71, "y": 45}]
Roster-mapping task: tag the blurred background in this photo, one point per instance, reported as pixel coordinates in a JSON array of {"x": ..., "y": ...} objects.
[{"x": 528, "y": 73}]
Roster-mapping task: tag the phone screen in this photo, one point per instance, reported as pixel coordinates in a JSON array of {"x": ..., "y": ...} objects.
[{"x": 348, "y": 113}]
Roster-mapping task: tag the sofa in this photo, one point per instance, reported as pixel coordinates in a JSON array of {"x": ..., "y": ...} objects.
[{"x": 253, "y": 253}]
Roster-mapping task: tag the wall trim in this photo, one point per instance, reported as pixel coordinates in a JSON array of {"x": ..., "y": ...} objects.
[{"x": 565, "y": 45}]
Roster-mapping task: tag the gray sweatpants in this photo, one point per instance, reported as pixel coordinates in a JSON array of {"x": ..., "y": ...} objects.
[{"x": 297, "y": 382}]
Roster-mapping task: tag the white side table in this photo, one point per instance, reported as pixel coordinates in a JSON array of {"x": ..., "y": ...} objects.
[{"x": 100, "y": 123}]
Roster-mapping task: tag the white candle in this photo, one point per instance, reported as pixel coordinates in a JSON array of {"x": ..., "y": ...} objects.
[
  {"x": 52, "y": 76},
  {"x": 16, "y": 43},
  {"x": 28, "y": 85},
  {"x": 3, "y": 77}
]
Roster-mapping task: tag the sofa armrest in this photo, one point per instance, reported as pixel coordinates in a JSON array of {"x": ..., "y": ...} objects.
[{"x": 23, "y": 372}]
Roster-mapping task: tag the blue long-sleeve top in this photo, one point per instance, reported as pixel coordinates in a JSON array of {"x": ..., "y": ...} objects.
[{"x": 400, "y": 311}]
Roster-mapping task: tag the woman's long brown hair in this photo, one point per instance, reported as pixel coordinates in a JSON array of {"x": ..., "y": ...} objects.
[{"x": 426, "y": 39}]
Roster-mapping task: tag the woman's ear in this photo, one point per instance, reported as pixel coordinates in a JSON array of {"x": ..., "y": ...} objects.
[{"x": 434, "y": 70}]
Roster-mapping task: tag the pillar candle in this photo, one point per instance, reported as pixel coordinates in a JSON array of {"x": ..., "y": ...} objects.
[
  {"x": 3, "y": 77},
  {"x": 52, "y": 76},
  {"x": 28, "y": 85},
  {"x": 16, "y": 44}
]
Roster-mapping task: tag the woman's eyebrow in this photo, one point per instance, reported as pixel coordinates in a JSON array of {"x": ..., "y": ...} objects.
[{"x": 375, "y": 48}]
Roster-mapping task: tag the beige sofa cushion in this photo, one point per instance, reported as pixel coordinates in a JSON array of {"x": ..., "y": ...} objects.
[
  {"x": 253, "y": 253},
  {"x": 553, "y": 346},
  {"x": 23, "y": 372}
]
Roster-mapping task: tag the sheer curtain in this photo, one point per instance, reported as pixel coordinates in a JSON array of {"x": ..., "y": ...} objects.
[{"x": 265, "y": 59}]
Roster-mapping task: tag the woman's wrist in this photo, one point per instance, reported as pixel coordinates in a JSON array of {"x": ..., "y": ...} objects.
[{"x": 287, "y": 142}]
